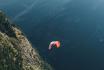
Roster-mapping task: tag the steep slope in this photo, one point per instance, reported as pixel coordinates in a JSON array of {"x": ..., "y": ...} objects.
[{"x": 16, "y": 52}]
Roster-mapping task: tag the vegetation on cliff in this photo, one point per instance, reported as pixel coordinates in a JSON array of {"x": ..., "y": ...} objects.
[{"x": 16, "y": 52}]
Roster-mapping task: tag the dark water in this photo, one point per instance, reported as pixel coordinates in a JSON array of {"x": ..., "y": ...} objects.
[{"x": 78, "y": 24}]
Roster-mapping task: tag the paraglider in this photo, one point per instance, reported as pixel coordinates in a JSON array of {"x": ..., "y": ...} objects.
[{"x": 54, "y": 43}]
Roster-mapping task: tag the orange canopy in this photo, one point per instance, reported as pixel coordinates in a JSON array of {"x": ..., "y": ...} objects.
[{"x": 54, "y": 43}]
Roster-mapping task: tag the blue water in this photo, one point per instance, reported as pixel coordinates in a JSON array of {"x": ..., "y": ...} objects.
[{"x": 78, "y": 24}]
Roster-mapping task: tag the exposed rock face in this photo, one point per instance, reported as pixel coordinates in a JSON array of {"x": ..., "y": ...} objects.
[{"x": 16, "y": 52}]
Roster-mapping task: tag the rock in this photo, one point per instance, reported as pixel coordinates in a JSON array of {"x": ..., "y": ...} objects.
[{"x": 16, "y": 52}]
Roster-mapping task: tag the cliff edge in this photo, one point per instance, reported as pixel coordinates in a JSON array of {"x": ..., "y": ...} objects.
[{"x": 16, "y": 52}]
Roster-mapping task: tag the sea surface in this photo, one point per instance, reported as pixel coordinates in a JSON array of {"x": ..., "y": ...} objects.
[{"x": 77, "y": 24}]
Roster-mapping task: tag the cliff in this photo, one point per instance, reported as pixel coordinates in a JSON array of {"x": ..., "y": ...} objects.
[{"x": 16, "y": 52}]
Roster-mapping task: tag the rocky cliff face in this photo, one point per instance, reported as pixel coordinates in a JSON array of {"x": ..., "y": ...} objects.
[{"x": 16, "y": 52}]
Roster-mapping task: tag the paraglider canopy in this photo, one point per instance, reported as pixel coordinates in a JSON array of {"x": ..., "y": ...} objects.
[{"x": 54, "y": 44}]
